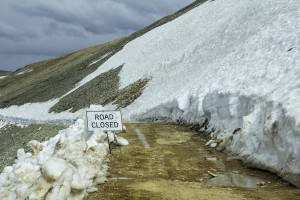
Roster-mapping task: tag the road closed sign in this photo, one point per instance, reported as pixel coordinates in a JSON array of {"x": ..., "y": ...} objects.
[{"x": 104, "y": 120}]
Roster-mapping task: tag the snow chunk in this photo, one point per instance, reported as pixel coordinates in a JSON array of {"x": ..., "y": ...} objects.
[
  {"x": 121, "y": 141},
  {"x": 53, "y": 168}
]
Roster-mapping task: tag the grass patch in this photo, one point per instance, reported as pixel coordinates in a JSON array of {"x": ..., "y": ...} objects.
[{"x": 4, "y": 73}]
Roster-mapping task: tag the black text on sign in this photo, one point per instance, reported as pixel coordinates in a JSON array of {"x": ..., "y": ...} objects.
[{"x": 104, "y": 120}]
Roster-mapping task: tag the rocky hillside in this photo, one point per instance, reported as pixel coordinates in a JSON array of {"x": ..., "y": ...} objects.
[
  {"x": 4, "y": 73},
  {"x": 50, "y": 79}
]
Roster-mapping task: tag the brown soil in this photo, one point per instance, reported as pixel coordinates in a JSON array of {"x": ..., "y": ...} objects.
[{"x": 173, "y": 163}]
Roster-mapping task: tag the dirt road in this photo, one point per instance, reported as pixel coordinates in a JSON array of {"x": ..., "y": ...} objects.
[{"x": 172, "y": 162}]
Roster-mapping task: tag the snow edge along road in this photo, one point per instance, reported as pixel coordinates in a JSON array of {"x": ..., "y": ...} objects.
[{"x": 258, "y": 131}]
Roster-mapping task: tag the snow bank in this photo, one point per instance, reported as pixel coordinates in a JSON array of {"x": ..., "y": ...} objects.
[
  {"x": 235, "y": 63},
  {"x": 258, "y": 131},
  {"x": 65, "y": 167}
]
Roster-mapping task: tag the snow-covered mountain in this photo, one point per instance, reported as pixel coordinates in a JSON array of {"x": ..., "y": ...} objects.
[{"x": 231, "y": 65}]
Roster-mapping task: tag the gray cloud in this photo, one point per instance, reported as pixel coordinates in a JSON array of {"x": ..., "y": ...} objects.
[
  {"x": 53, "y": 29},
  {"x": 97, "y": 19},
  {"x": 43, "y": 29},
  {"x": 10, "y": 33}
]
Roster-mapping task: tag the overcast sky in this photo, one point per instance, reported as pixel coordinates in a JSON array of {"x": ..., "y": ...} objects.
[{"x": 35, "y": 30}]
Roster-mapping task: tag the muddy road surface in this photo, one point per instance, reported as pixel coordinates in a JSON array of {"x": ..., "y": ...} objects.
[{"x": 172, "y": 162}]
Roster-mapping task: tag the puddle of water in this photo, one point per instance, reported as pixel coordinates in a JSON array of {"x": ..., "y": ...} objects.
[
  {"x": 237, "y": 180},
  {"x": 142, "y": 137}
]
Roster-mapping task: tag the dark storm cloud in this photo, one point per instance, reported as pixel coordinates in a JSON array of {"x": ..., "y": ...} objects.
[
  {"x": 10, "y": 33},
  {"x": 104, "y": 19},
  {"x": 44, "y": 29},
  {"x": 52, "y": 28}
]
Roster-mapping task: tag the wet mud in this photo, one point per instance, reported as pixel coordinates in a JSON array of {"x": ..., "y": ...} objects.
[{"x": 172, "y": 162}]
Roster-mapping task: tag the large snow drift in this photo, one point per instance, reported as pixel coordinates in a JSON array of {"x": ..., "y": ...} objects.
[{"x": 234, "y": 63}]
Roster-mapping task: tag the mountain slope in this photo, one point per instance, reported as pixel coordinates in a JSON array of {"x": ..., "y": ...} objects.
[
  {"x": 53, "y": 78},
  {"x": 4, "y": 72},
  {"x": 230, "y": 66}
]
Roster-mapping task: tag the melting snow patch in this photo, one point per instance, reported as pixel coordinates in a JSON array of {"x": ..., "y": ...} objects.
[
  {"x": 39, "y": 114},
  {"x": 24, "y": 71},
  {"x": 94, "y": 62}
]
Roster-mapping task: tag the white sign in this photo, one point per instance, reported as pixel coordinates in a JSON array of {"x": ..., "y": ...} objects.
[{"x": 104, "y": 120}]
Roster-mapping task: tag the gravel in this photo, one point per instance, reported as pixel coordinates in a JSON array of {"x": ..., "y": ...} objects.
[{"x": 13, "y": 137}]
